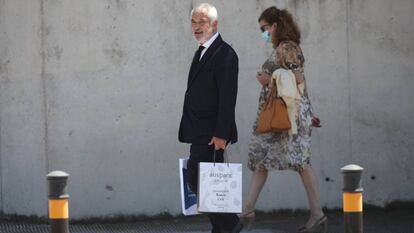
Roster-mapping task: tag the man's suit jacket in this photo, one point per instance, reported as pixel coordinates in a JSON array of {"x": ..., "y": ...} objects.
[{"x": 210, "y": 98}]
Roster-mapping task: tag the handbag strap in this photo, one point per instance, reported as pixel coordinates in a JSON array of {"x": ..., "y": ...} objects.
[
  {"x": 272, "y": 94},
  {"x": 226, "y": 160},
  {"x": 274, "y": 88}
]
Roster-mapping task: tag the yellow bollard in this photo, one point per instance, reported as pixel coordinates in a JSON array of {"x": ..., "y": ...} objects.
[
  {"x": 352, "y": 198},
  {"x": 58, "y": 202}
]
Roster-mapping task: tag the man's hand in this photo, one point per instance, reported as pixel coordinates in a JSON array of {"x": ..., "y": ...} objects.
[
  {"x": 219, "y": 143},
  {"x": 316, "y": 122},
  {"x": 263, "y": 78}
]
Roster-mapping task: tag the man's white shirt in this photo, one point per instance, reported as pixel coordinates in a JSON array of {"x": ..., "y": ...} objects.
[{"x": 208, "y": 43}]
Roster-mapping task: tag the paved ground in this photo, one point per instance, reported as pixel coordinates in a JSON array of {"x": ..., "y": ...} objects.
[{"x": 375, "y": 221}]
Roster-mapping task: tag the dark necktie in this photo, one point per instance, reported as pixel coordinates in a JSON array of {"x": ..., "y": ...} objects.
[
  {"x": 198, "y": 53},
  {"x": 195, "y": 62}
]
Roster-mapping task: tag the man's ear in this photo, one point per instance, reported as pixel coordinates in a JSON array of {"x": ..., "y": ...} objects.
[{"x": 215, "y": 25}]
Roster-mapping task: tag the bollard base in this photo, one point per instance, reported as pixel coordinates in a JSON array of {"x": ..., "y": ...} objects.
[
  {"x": 353, "y": 222},
  {"x": 59, "y": 225}
]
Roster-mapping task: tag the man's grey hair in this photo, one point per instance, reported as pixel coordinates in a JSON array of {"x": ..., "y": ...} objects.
[{"x": 211, "y": 11}]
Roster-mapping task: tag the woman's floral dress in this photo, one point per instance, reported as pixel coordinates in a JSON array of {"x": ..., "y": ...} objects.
[{"x": 281, "y": 151}]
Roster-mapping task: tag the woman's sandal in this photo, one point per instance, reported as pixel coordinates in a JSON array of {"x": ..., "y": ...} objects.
[
  {"x": 249, "y": 216},
  {"x": 321, "y": 225}
]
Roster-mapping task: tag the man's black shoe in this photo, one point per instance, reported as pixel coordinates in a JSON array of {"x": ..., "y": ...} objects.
[{"x": 237, "y": 228}]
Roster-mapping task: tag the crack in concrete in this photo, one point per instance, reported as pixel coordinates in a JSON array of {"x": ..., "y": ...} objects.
[
  {"x": 3, "y": 69},
  {"x": 348, "y": 72},
  {"x": 43, "y": 77}
]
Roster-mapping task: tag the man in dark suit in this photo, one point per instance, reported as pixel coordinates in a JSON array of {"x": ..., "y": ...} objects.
[{"x": 208, "y": 120}]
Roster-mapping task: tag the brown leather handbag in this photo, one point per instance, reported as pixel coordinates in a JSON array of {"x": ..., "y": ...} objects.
[{"x": 274, "y": 116}]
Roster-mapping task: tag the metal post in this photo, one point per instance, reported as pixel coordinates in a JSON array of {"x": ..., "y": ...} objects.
[
  {"x": 352, "y": 198},
  {"x": 58, "y": 202}
]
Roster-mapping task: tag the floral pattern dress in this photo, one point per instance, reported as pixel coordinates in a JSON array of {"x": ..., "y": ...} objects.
[{"x": 281, "y": 151}]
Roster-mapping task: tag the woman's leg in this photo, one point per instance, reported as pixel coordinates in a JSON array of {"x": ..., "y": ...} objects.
[
  {"x": 312, "y": 190},
  {"x": 259, "y": 177}
]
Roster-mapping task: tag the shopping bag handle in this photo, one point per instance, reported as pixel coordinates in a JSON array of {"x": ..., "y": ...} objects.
[{"x": 226, "y": 159}]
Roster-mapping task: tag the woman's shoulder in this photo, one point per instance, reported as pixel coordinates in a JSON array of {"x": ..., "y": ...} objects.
[
  {"x": 289, "y": 51},
  {"x": 288, "y": 43}
]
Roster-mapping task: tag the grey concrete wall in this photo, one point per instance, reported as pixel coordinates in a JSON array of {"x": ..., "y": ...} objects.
[{"x": 95, "y": 88}]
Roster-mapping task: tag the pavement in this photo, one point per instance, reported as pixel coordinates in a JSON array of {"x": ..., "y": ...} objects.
[{"x": 374, "y": 221}]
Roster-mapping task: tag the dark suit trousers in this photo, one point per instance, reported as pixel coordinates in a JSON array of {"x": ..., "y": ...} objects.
[{"x": 205, "y": 153}]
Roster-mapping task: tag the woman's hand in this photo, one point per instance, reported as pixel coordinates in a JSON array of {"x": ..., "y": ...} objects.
[
  {"x": 263, "y": 78},
  {"x": 316, "y": 122},
  {"x": 299, "y": 77}
]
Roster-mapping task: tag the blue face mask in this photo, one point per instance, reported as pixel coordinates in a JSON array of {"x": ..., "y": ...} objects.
[{"x": 266, "y": 37}]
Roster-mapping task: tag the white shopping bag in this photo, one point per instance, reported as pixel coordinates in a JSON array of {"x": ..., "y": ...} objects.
[
  {"x": 220, "y": 188},
  {"x": 188, "y": 198}
]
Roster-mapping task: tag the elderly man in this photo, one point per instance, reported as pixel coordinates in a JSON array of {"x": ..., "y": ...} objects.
[{"x": 208, "y": 120}]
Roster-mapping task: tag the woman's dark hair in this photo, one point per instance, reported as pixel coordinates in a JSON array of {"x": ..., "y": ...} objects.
[
  {"x": 286, "y": 27},
  {"x": 269, "y": 15}
]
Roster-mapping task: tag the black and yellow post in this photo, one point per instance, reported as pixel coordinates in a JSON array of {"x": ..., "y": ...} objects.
[
  {"x": 58, "y": 202},
  {"x": 352, "y": 198}
]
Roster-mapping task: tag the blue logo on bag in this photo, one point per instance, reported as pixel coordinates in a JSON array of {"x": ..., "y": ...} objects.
[{"x": 189, "y": 197}]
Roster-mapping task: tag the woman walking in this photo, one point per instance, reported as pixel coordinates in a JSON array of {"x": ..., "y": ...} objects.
[{"x": 284, "y": 150}]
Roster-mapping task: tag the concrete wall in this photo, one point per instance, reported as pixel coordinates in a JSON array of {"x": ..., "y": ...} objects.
[
  {"x": 95, "y": 88},
  {"x": 22, "y": 109}
]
